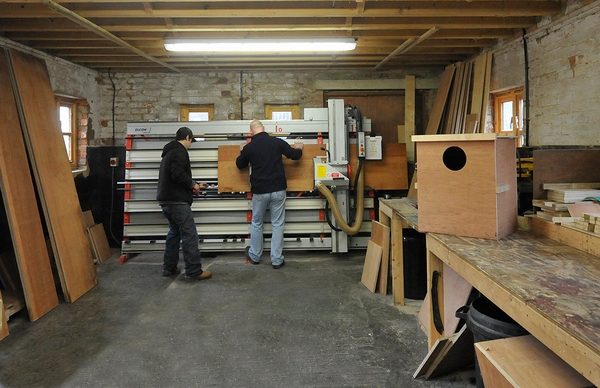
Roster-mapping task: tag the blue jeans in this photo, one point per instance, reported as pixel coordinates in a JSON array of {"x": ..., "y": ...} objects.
[
  {"x": 275, "y": 202},
  {"x": 181, "y": 228}
]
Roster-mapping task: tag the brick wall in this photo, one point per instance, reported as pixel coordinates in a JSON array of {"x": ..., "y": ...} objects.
[{"x": 564, "y": 76}]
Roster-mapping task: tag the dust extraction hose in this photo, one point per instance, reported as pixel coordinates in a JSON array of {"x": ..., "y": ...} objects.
[{"x": 360, "y": 187}]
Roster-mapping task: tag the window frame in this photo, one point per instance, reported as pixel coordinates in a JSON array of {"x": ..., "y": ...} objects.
[
  {"x": 515, "y": 96},
  {"x": 186, "y": 109},
  {"x": 270, "y": 108},
  {"x": 72, "y": 104}
]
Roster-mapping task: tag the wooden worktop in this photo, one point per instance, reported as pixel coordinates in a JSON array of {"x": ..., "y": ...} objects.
[{"x": 551, "y": 289}]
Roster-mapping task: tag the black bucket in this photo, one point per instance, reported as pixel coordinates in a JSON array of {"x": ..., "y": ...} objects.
[{"x": 488, "y": 322}]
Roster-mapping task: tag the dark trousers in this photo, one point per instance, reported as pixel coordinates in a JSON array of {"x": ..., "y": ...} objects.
[{"x": 181, "y": 228}]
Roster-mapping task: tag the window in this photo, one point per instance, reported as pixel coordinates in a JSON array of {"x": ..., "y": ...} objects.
[
  {"x": 197, "y": 112},
  {"x": 67, "y": 114},
  {"x": 282, "y": 112},
  {"x": 508, "y": 113}
]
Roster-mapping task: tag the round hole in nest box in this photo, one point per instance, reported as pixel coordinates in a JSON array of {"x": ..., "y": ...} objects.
[{"x": 454, "y": 158}]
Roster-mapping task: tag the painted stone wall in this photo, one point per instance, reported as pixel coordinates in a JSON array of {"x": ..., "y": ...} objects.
[
  {"x": 564, "y": 77},
  {"x": 235, "y": 95}
]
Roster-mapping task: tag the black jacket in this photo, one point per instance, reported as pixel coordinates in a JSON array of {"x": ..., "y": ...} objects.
[
  {"x": 175, "y": 184},
  {"x": 263, "y": 154}
]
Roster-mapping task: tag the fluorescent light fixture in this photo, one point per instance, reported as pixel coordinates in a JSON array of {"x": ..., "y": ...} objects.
[{"x": 260, "y": 45}]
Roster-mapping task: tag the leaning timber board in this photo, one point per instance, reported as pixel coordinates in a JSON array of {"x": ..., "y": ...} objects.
[
  {"x": 299, "y": 173},
  {"x": 21, "y": 206},
  {"x": 52, "y": 172}
]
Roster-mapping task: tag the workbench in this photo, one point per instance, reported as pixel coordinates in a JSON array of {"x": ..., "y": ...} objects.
[
  {"x": 397, "y": 214},
  {"x": 550, "y": 289},
  {"x": 546, "y": 279}
]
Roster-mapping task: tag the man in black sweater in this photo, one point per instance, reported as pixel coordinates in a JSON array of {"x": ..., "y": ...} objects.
[
  {"x": 175, "y": 196},
  {"x": 268, "y": 186}
]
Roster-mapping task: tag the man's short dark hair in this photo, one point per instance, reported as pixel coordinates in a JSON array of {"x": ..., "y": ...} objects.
[{"x": 183, "y": 133}]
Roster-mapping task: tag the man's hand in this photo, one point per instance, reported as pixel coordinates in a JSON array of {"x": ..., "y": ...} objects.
[
  {"x": 199, "y": 186},
  {"x": 298, "y": 145}
]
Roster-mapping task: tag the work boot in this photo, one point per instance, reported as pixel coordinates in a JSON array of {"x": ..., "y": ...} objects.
[{"x": 201, "y": 276}]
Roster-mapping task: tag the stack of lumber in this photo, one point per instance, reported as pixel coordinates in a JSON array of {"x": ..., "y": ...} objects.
[
  {"x": 590, "y": 222},
  {"x": 549, "y": 210},
  {"x": 375, "y": 270},
  {"x": 460, "y": 105},
  {"x": 571, "y": 195}
]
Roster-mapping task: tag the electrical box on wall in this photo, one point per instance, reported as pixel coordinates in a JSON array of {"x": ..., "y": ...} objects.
[{"x": 373, "y": 148}]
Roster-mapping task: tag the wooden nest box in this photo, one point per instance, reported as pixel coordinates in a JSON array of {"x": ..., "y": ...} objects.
[{"x": 467, "y": 184}]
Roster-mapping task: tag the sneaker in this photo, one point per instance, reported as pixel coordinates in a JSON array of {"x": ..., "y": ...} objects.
[
  {"x": 201, "y": 276},
  {"x": 248, "y": 259},
  {"x": 277, "y": 266},
  {"x": 171, "y": 272}
]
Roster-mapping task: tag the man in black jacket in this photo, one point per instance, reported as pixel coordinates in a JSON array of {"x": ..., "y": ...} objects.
[
  {"x": 268, "y": 186},
  {"x": 175, "y": 196}
]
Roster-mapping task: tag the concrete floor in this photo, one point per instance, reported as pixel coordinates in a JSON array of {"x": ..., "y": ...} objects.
[{"x": 309, "y": 324}]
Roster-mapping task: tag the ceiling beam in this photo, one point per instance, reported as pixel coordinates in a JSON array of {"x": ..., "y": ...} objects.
[
  {"x": 102, "y": 32},
  {"x": 407, "y": 46}
]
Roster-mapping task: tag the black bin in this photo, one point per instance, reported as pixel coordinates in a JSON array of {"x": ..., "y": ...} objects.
[
  {"x": 415, "y": 264},
  {"x": 488, "y": 322}
]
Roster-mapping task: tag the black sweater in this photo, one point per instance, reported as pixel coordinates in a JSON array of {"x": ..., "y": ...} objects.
[
  {"x": 175, "y": 184},
  {"x": 263, "y": 154}
]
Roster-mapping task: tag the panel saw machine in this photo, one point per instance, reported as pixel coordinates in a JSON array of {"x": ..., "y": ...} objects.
[{"x": 332, "y": 214}]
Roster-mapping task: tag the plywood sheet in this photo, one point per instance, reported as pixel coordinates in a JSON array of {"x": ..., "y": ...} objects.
[
  {"x": 524, "y": 362},
  {"x": 439, "y": 104},
  {"x": 52, "y": 172},
  {"x": 299, "y": 173},
  {"x": 21, "y": 206},
  {"x": 391, "y": 173},
  {"x": 89, "y": 219},
  {"x": 3, "y": 320},
  {"x": 371, "y": 267},
  {"x": 380, "y": 235},
  {"x": 99, "y": 242},
  {"x": 578, "y": 208}
]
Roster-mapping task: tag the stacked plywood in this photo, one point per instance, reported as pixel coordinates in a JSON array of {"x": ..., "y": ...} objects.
[
  {"x": 571, "y": 195},
  {"x": 28, "y": 120},
  {"x": 460, "y": 105}
]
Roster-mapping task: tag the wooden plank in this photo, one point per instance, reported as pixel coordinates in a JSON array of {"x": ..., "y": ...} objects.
[
  {"x": 471, "y": 123},
  {"x": 21, "y": 206},
  {"x": 409, "y": 105},
  {"x": 88, "y": 218},
  {"x": 436, "y": 350},
  {"x": 99, "y": 243},
  {"x": 439, "y": 104},
  {"x": 380, "y": 235},
  {"x": 52, "y": 172},
  {"x": 457, "y": 354},
  {"x": 486, "y": 92},
  {"x": 564, "y": 186},
  {"x": 299, "y": 173},
  {"x": 524, "y": 362},
  {"x": 478, "y": 86},
  {"x": 3, "y": 320},
  {"x": 391, "y": 173},
  {"x": 371, "y": 266}
]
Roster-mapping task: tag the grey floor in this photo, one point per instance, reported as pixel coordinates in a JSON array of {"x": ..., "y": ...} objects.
[{"x": 309, "y": 324}]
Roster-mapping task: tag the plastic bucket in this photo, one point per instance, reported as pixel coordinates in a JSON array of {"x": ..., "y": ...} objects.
[{"x": 488, "y": 322}]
